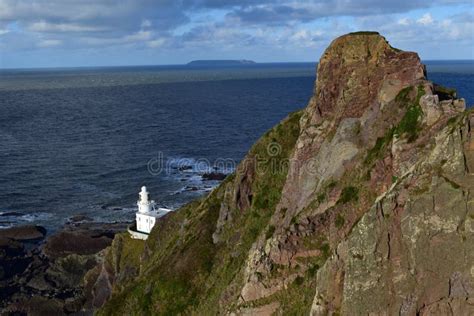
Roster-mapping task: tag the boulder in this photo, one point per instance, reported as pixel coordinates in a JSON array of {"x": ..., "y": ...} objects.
[
  {"x": 217, "y": 176},
  {"x": 47, "y": 280},
  {"x": 79, "y": 218},
  {"x": 24, "y": 233},
  {"x": 13, "y": 258},
  {"x": 82, "y": 238}
]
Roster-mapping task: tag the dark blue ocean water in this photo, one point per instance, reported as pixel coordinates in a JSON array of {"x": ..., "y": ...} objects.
[{"x": 82, "y": 141}]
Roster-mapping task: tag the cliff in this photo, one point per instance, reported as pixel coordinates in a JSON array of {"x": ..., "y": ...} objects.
[{"x": 359, "y": 204}]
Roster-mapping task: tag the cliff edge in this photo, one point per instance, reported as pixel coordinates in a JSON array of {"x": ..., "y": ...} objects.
[{"x": 359, "y": 204}]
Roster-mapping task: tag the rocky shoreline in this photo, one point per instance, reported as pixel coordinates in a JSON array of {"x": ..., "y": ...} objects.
[{"x": 42, "y": 275}]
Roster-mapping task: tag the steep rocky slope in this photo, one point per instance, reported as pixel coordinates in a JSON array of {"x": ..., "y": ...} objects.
[{"x": 359, "y": 204}]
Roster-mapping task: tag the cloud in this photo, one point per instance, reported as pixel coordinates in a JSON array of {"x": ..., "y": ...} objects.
[
  {"x": 49, "y": 43},
  {"x": 141, "y": 36},
  {"x": 432, "y": 38},
  {"x": 187, "y": 27},
  {"x": 43, "y": 26},
  {"x": 156, "y": 43},
  {"x": 404, "y": 21},
  {"x": 146, "y": 23},
  {"x": 426, "y": 19}
]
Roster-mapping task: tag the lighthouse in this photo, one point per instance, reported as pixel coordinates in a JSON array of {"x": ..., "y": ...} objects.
[
  {"x": 144, "y": 205},
  {"x": 146, "y": 216}
]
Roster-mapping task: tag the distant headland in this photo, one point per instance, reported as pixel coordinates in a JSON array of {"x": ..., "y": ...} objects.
[{"x": 221, "y": 62}]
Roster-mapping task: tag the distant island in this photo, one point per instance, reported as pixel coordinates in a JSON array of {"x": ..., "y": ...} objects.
[{"x": 221, "y": 62}]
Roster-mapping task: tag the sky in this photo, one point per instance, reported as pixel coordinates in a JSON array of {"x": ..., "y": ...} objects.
[{"x": 72, "y": 33}]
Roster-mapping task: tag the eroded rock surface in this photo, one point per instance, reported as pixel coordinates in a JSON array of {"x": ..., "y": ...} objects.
[
  {"x": 374, "y": 139},
  {"x": 47, "y": 278},
  {"x": 361, "y": 204}
]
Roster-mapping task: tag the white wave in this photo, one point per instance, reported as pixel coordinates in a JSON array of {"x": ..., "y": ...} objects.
[
  {"x": 6, "y": 225},
  {"x": 33, "y": 217}
]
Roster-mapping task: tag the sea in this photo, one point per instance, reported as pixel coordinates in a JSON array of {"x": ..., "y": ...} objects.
[{"x": 82, "y": 141}]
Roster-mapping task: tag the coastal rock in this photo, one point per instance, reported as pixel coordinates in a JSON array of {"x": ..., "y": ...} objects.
[
  {"x": 11, "y": 214},
  {"x": 23, "y": 233},
  {"x": 357, "y": 77},
  {"x": 48, "y": 279},
  {"x": 79, "y": 218},
  {"x": 213, "y": 176},
  {"x": 13, "y": 258},
  {"x": 36, "y": 306},
  {"x": 359, "y": 204},
  {"x": 184, "y": 168},
  {"x": 83, "y": 239}
]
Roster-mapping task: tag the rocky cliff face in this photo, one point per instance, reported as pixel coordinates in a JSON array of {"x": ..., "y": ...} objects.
[{"x": 359, "y": 204}]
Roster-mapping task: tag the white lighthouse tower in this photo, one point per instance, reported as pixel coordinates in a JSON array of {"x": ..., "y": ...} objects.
[
  {"x": 146, "y": 216},
  {"x": 144, "y": 206}
]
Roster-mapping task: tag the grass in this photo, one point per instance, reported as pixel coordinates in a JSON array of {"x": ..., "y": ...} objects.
[
  {"x": 453, "y": 184},
  {"x": 444, "y": 93},
  {"x": 378, "y": 150},
  {"x": 331, "y": 185},
  {"x": 364, "y": 33},
  {"x": 270, "y": 231},
  {"x": 326, "y": 250},
  {"x": 186, "y": 273},
  {"x": 321, "y": 197},
  {"x": 348, "y": 194},
  {"x": 409, "y": 125},
  {"x": 299, "y": 280},
  {"x": 404, "y": 95},
  {"x": 312, "y": 270},
  {"x": 339, "y": 222},
  {"x": 452, "y": 120}
]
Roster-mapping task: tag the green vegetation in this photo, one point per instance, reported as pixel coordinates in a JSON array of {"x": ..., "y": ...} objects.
[
  {"x": 293, "y": 220},
  {"x": 376, "y": 152},
  {"x": 312, "y": 270},
  {"x": 298, "y": 297},
  {"x": 348, "y": 194},
  {"x": 321, "y": 197},
  {"x": 364, "y": 33},
  {"x": 452, "y": 120},
  {"x": 394, "y": 179},
  {"x": 403, "y": 95},
  {"x": 339, "y": 222},
  {"x": 444, "y": 93},
  {"x": 299, "y": 280},
  {"x": 124, "y": 254},
  {"x": 326, "y": 250},
  {"x": 331, "y": 185},
  {"x": 453, "y": 184},
  {"x": 409, "y": 125},
  {"x": 270, "y": 231},
  {"x": 186, "y": 272}
]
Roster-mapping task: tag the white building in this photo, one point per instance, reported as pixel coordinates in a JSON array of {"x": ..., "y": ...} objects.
[{"x": 146, "y": 216}]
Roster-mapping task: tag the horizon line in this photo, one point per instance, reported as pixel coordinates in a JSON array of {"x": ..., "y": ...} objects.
[{"x": 185, "y": 64}]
